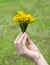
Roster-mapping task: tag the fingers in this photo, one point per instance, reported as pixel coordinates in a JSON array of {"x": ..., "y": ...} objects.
[
  {"x": 29, "y": 40},
  {"x": 31, "y": 44},
  {"x": 18, "y": 42},
  {"x": 18, "y": 37},
  {"x": 21, "y": 37},
  {"x": 24, "y": 41}
]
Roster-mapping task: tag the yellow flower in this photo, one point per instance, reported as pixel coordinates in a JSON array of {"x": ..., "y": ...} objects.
[
  {"x": 20, "y": 13},
  {"x": 22, "y": 17},
  {"x": 15, "y": 18}
]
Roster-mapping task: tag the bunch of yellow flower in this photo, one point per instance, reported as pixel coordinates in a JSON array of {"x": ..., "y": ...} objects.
[{"x": 23, "y": 19}]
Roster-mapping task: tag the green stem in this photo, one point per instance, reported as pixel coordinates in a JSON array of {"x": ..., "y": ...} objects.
[{"x": 23, "y": 26}]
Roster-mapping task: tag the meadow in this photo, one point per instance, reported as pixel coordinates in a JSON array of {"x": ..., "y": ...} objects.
[{"x": 39, "y": 31}]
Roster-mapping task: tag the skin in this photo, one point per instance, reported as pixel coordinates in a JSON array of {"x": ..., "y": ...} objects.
[{"x": 30, "y": 51}]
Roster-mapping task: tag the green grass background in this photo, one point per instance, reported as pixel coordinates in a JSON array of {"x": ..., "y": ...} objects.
[{"x": 39, "y": 32}]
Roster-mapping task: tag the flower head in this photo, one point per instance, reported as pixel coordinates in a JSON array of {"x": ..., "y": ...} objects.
[
  {"x": 22, "y": 17},
  {"x": 23, "y": 20}
]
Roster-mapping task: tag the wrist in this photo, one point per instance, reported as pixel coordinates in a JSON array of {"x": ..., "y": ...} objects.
[{"x": 41, "y": 60}]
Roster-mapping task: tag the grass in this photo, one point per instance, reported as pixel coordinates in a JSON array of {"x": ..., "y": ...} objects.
[{"x": 39, "y": 32}]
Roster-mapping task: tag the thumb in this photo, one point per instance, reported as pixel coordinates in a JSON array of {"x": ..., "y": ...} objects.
[{"x": 29, "y": 40}]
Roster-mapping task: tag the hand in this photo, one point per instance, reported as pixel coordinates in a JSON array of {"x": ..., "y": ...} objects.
[{"x": 30, "y": 51}]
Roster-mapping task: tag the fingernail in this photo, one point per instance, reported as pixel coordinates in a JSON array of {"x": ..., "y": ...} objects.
[{"x": 24, "y": 32}]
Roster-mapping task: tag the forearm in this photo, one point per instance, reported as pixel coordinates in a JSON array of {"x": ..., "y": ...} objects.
[{"x": 41, "y": 61}]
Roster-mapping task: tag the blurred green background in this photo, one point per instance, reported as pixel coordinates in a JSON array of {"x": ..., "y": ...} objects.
[{"x": 39, "y": 32}]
